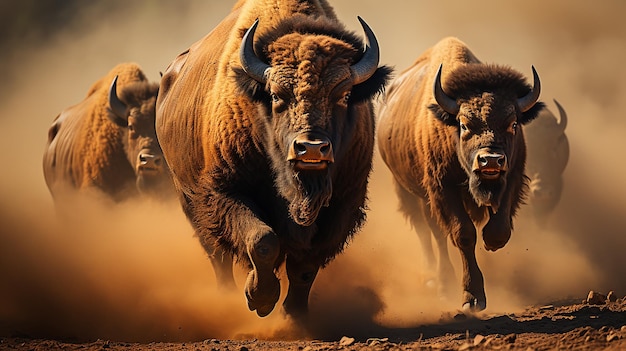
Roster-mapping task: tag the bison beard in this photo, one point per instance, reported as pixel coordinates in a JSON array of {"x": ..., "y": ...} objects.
[
  {"x": 310, "y": 192},
  {"x": 487, "y": 192}
]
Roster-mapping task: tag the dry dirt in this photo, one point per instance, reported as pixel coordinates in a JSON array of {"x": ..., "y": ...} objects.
[
  {"x": 564, "y": 326},
  {"x": 132, "y": 276}
]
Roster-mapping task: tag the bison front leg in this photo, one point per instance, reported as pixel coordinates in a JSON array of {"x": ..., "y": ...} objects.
[
  {"x": 228, "y": 225},
  {"x": 463, "y": 234},
  {"x": 222, "y": 263},
  {"x": 262, "y": 287},
  {"x": 497, "y": 231},
  {"x": 301, "y": 276}
]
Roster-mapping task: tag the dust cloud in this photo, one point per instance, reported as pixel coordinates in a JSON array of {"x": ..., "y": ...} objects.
[{"x": 135, "y": 272}]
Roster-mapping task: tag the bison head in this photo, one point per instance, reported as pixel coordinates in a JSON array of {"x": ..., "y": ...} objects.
[
  {"x": 487, "y": 104},
  {"x": 134, "y": 111},
  {"x": 310, "y": 80},
  {"x": 548, "y": 154}
]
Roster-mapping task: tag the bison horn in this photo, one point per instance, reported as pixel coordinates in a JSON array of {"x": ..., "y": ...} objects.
[
  {"x": 365, "y": 68},
  {"x": 252, "y": 65},
  {"x": 562, "y": 114},
  {"x": 527, "y": 102},
  {"x": 117, "y": 106},
  {"x": 447, "y": 103}
]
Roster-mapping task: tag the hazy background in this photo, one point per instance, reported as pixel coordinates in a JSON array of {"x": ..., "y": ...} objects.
[{"x": 135, "y": 272}]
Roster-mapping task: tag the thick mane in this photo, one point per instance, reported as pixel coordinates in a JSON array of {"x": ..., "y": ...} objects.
[
  {"x": 307, "y": 25},
  {"x": 475, "y": 78}
]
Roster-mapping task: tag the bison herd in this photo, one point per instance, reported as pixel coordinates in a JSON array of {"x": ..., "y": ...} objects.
[{"x": 265, "y": 129}]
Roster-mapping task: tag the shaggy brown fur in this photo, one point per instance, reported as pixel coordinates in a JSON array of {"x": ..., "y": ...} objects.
[
  {"x": 433, "y": 155},
  {"x": 87, "y": 150},
  {"x": 226, "y": 137}
]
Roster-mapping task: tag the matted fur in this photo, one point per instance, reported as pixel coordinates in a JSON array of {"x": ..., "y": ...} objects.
[
  {"x": 86, "y": 149},
  {"x": 433, "y": 157},
  {"x": 227, "y": 147}
]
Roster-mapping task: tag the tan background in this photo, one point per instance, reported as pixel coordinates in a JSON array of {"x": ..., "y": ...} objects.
[{"x": 135, "y": 272}]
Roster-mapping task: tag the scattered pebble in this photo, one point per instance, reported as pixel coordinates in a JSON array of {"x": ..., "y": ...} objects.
[
  {"x": 465, "y": 346},
  {"x": 510, "y": 338},
  {"x": 612, "y": 336},
  {"x": 346, "y": 341},
  {"x": 478, "y": 339},
  {"x": 596, "y": 298}
]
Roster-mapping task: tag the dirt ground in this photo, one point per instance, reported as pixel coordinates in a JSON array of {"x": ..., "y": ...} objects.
[
  {"x": 133, "y": 276},
  {"x": 567, "y": 325}
]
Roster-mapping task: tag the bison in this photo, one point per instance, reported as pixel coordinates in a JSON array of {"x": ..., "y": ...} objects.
[
  {"x": 268, "y": 127},
  {"x": 449, "y": 131},
  {"x": 108, "y": 141},
  {"x": 548, "y": 154}
]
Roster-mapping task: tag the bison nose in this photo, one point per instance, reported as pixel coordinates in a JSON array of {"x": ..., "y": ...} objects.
[
  {"x": 489, "y": 165},
  {"x": 150, "y": 162},
  {"x": 491, "y": 161},
  {"x": 311, "y": 154}
]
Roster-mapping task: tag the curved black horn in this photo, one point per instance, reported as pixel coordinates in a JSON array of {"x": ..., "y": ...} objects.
[
  {"x": 562, "y": 114},
  {"x": 367, "y": 65},
  {"x": 527, "y": 102},
  {"x": 254, "y": 67},
  {"x": 447, "y": 103},
  {"x": 116, "y": 105}
]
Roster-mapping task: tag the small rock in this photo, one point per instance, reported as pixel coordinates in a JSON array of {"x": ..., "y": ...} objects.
[
  {"x": 612, "y": 336},
  {"x": 346, "y": 341},
  {"x": 595, "y": 298},
  {"x": 465, "y": 346},
  {"x": 478, "y": 339},
  {"x": 623, "y": 329},
  {"x": 510, "y": 338},
  {"x": 611, "y": 297},
  {"x": 376, "y": 341}
]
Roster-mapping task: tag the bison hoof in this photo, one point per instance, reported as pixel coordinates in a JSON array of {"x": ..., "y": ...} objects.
[{"x": 474, "y": 305}]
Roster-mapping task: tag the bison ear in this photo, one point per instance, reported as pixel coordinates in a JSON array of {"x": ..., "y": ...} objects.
[
  {"x": 249, "y": 86},
  {"x": 531, "y": 114},
  {"x": 443, "y": 116},
  {"x": 374, "y": 85}
]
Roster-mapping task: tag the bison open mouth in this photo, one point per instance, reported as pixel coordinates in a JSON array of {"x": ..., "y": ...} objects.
[
  {"x": 490, "y": 173},
  {"x": 310, "y": 165},
  {"x": 149, "y": 170}
]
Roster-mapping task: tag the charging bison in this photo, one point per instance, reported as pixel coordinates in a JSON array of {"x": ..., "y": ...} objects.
[
  {"x": 548, "y": 154},
  {"x": 268, "y": 128},
  {"x": 449, "y": 131},
  {"x": 108, "y": 141}
]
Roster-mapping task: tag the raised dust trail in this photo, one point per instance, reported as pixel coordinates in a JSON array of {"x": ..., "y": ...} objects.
[{"x": 135, "y": 272}]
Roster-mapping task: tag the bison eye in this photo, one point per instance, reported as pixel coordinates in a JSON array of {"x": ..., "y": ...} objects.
[
  {"x": 513, "y": 128},
  {"x": 344, "y": 99},
  {"x": 131, "y": 131},
  {"x": 463, "y": 127},
  {"x": 275, "y": 98}
]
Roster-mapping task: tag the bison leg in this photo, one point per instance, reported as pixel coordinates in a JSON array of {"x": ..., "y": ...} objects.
[
  {"x": 301, "y": 276},
  {"x": 473, "y": 284},
  {"x": 412, "y": 207},
  {"x": 222, "y": 263},
  {"x": 445, "y": 271},
  {"x": 497, "y": 231},
  {"x": 426, "y": 228},
  {"x": 262, "y": 287}
]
